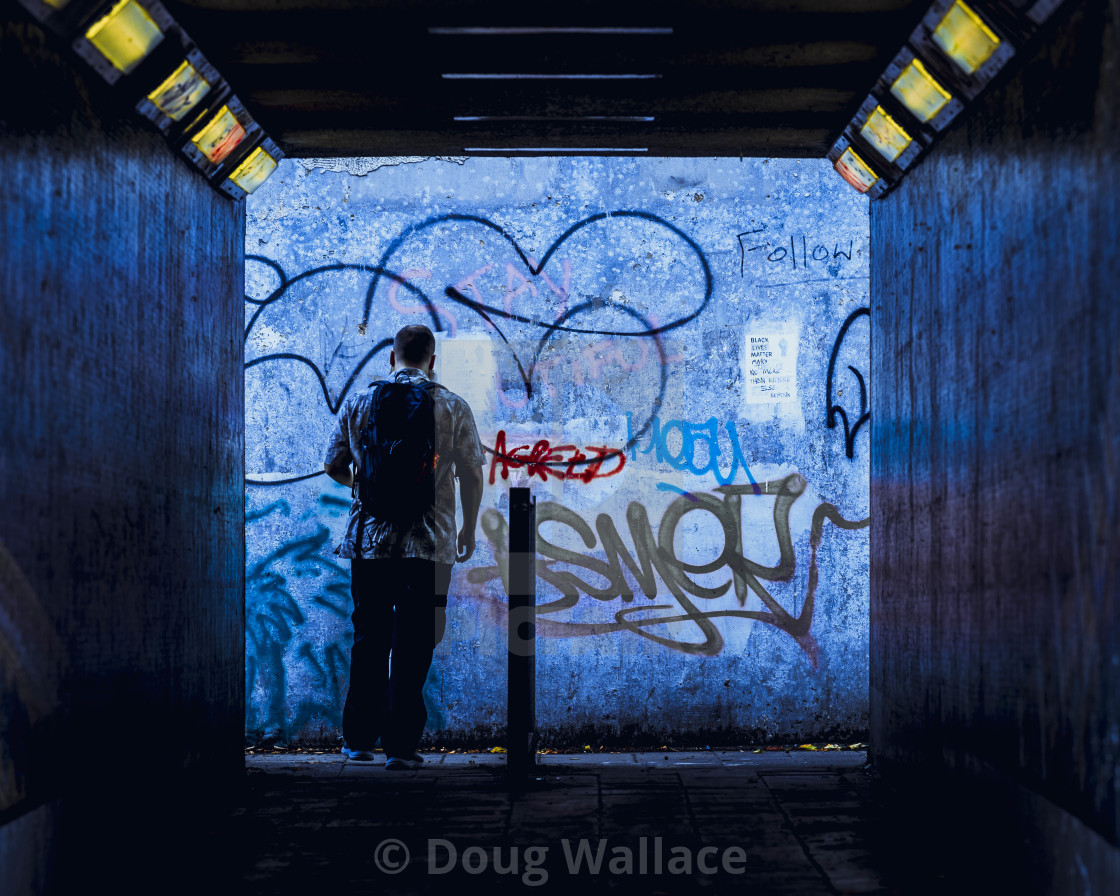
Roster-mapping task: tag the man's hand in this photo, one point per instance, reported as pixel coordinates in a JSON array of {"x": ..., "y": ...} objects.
[
  {"x": 470, "y": 493},
  {"x": 466, "y": 545}
]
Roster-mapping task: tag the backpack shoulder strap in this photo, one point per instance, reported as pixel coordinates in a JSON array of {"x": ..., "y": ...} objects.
[{"x": 376, "y": 386}]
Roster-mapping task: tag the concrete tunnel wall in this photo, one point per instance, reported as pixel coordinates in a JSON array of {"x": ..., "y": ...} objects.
[
  {"x": 995, "y": 653},
  {"x": 121, "y": 476},
  {"x": 733, "y": 287}
]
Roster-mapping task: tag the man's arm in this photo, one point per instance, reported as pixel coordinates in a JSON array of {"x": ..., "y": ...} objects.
[
  {"x": 340, "y": 472},
  {"x": 470, "y": 496},
  {"x": 336, "y": 464}
]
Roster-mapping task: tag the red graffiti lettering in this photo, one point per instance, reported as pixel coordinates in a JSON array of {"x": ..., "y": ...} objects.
[{"x": 558, "y": 461}]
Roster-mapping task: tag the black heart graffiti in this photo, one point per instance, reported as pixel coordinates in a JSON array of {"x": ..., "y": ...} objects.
[{"x": 389, "y": 274}]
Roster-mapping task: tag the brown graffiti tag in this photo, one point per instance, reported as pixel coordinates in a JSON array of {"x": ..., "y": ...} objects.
[{"x": 655, "y": 557}]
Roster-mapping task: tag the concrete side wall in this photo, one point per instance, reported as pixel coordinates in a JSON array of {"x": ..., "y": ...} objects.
[
  {"x": 705, "y": 300},
  {"x": 995, "y": 654},
  {"x": 121, "y": 466}
]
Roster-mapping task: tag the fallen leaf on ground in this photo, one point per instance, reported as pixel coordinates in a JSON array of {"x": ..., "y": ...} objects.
[
  {"x": 497, "y": 749},
  {"x": 807, "y": 747}
]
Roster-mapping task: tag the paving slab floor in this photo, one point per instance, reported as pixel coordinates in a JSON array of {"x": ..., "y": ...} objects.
[{"x": 659, "y": 823}]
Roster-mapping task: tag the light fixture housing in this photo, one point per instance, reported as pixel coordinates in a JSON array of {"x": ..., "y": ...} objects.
[
  {"x": 218, "y": 136},
  {"x": 152, "y": 65},
  {"x": 251, "y": 169},
  {"x": 172, "y": 103},
  {"x": 966, "y": 38},
  {"x": 116, "y": 40},
  {"x": 857, "y": 170},
  {"x": 962, "y": 45},
  {"x": 911, "y": 84},
  {"x": 881, "y": 130},
  {"x": 889, "y": 139},
  {"x": 951, "y": 57}
]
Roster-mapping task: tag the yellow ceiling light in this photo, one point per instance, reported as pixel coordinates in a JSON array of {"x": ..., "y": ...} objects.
[
  {"x": 125, "y": 35},
  {"x": 855, "y": 170},
  {"x": 885, "y": 135},
  {"x": 180, "y": 92},
  {"x": 254, "y": 171},
  {"x": 220, "y": 136},
  {"x": 964, "y": 38},
  {"x": 917, "y": 89}
]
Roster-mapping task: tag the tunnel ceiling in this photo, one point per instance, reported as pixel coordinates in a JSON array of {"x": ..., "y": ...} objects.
[{"x": 436, "y": 77}]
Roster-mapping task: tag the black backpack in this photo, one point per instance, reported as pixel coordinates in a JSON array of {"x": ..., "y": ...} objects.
[{"x": 396, "y": 480}]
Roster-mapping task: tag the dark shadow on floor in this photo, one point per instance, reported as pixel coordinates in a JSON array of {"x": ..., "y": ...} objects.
[
  {"x": 780, "y": 823},
  {"x": 682, "y": 823}
]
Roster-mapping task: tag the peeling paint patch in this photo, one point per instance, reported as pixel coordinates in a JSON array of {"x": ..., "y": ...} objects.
[{"x": 360, "y": 167}]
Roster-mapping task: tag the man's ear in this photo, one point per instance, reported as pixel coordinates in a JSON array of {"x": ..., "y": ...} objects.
[
  {"x": 432, "y": 364},
  {"x": 392, "y": 359}
]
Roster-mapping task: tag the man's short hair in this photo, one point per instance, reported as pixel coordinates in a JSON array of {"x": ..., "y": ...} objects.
[{"x": 414, "y": 344}]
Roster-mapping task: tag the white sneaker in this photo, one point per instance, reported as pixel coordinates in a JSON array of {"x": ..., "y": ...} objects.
[
  {"x": 357, "y": 755},
  {"x": 404, "y": 763}
]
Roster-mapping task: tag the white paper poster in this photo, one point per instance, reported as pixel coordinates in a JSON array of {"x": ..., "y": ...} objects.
[{"x": 771, "y": 362}]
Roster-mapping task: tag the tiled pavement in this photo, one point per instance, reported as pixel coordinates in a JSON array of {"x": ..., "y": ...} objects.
[{"x": 789, "y": 823}]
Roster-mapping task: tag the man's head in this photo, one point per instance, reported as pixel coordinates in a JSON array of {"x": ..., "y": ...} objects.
[{"x": 414, "y": 346}]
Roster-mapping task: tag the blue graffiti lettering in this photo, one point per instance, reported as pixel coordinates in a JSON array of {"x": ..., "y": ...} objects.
[{"x": 692, "y": 435}]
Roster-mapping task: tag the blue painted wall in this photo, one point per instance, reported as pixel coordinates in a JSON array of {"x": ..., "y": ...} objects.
[
  {"x": 678, "y": 318},
  {"x": 996, "y": 597},
  {"x": 121, "y": 470}
]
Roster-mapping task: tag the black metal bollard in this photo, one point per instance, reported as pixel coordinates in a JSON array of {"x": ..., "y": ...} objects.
[{"x": 521, "y": 754}]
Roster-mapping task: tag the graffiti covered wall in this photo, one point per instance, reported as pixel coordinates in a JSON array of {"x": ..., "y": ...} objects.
[{"x": 672, "y": 353}]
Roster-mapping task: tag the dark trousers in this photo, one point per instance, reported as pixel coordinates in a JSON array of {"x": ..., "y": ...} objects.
[{"x": 400, "y": 612}]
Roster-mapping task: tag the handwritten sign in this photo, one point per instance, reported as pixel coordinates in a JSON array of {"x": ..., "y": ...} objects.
[{"x": 771, "y": 363}]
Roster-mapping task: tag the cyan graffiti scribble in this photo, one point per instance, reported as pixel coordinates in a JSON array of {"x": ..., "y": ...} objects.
[
  {"x": 677, "y": 490},
  {"x": 280, "y": 624},
  {"x": 275, "y": 623},
  {"x": 687, "y": 458}
]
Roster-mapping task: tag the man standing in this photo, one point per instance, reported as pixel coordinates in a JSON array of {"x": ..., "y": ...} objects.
[{"x": 401, "y": 556}]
